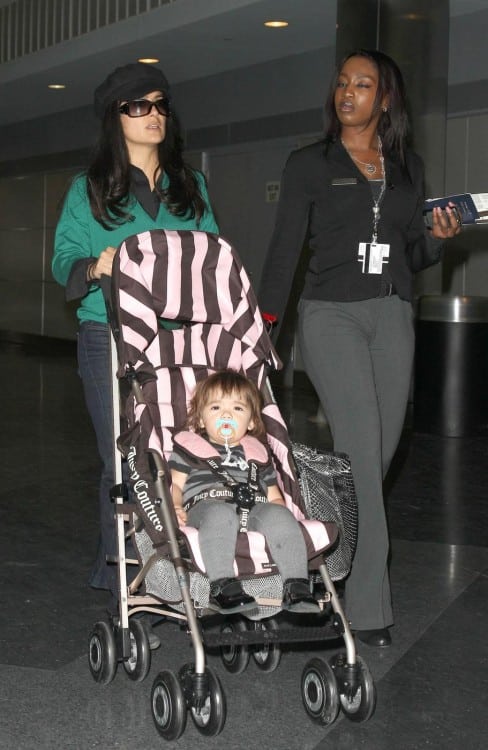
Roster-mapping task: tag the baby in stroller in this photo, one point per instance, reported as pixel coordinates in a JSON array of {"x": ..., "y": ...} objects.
[{"x": 223, "y": 479}]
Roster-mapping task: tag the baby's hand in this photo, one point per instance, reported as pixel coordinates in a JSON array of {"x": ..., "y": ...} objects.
[{"x": 180, "y": 515}]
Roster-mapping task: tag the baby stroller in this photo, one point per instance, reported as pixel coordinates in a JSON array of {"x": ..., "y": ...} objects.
[{"x": 181, "y": 307}]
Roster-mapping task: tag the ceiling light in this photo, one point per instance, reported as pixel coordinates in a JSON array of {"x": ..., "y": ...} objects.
[
  {"x": 148, "y": 60},
  {"x": 56, "y": 86},
  {"x": 276, "y": 24}
]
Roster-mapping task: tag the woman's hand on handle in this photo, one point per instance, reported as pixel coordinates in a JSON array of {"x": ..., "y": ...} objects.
[{"x": 103, "y": 265}]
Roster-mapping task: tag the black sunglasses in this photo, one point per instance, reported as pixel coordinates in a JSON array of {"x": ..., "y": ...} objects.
[{"x": 142, "y": 107}]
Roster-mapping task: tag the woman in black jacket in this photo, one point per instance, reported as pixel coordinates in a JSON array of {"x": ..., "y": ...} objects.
[{"x": 357, "y": 197}]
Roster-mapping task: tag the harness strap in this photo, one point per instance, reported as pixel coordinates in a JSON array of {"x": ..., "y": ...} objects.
[
  {"x": 197, "y": 446},
  {"x": 252, "y": 475},
  {"x": 244, "y": 495}
]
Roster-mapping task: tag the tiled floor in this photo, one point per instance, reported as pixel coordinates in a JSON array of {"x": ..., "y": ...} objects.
[{"x": 432, "y": 683}]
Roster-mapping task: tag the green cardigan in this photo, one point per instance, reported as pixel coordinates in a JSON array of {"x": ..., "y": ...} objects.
[{"x": 79, "y": 235}]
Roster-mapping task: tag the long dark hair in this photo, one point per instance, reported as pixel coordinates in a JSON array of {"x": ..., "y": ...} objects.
[
  {"x": 108, "y": 175},
  {"x": 393, "y": 125}
]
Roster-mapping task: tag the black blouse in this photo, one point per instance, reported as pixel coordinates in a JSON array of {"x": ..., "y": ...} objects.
[{"x": 327, "y": 202}]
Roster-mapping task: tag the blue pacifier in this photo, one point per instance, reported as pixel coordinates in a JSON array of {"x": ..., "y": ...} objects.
[{"x": 226, "y": 427}]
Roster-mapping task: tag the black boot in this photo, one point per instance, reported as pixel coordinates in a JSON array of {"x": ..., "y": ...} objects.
[
  {"x": 297, "y": 596},
  {"x": 227, "y": 596},
  {"x": 380, "y": 637}
]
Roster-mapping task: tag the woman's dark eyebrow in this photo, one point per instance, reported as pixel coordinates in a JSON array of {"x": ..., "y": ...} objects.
[{"x": 361, "y": 75}]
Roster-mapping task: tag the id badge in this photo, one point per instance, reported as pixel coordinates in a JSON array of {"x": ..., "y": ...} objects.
[{"x": 372, "y": 256}]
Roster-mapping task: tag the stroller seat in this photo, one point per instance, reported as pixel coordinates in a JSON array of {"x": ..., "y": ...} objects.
[
  {"x": 198, "y": 280},
  {"x": 252, "y": 556}
]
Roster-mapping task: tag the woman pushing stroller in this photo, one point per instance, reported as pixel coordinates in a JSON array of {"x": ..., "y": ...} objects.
[
  {"x": 222, "y": 478},
  {"x": 137, "y": 181}
]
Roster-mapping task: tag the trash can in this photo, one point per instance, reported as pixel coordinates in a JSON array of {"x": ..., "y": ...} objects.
[{"x": 450, "y": 395}]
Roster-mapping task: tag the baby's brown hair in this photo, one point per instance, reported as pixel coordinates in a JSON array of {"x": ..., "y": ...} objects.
[{"x": 227, "y": 382}]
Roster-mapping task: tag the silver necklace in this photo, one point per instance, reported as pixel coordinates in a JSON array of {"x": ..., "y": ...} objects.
[{"x": 370, "y": 167}]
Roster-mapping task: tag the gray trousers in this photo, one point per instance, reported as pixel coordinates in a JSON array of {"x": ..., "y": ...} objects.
[
  {"x": 218, "y": 525},
  {"x": 359, "y": 357}
]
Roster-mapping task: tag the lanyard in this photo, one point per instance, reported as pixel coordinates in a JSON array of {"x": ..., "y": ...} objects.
[
  {"x": 377, "y": 202},
  {"x": 376, "y": 207}
]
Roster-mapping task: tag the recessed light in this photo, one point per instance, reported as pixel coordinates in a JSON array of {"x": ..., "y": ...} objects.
[
  {"x": 148, "y": 60},
  {"x": 56, "y": 86},
  {"x": 276, "y": 24}
]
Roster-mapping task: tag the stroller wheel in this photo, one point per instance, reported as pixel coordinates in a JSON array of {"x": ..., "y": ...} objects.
[
  {"x": 360, "y": 706},
  {"x": 139, "y": 662},
  {"x": 102, "y": 655},
  {"x": 168, "y": 706},
  {"x": 235, "y": 658},
  {"x": 210, "y": 719},
  {"x": 319, "y": 692},
  {"x": 268, "y": 656}
]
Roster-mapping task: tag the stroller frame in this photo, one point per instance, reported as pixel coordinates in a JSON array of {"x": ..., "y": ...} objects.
[{"x": 344, "y": 684}]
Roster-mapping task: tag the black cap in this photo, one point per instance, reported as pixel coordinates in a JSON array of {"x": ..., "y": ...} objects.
[{"x": 129, "y": 82}]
